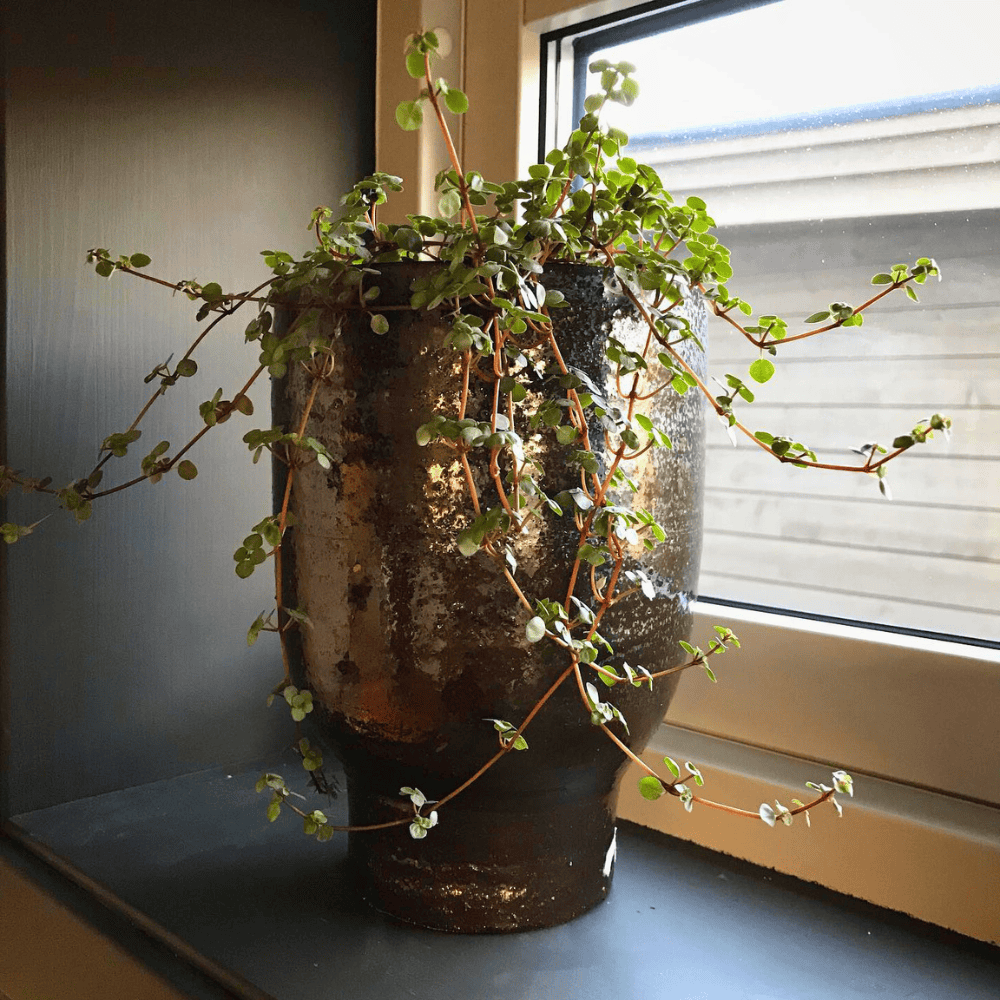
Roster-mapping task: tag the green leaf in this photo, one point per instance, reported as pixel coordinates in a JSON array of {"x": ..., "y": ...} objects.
[
  {"x": 882, "y": 279},
  {"x": 409, "y": 115},
  {"x": 456, "y": 102},
  {"x": 818, "y": 317},
  {"x": 761, "y": 370},
  {"x": 672, "y": 764},
  {"x": 186, "y": 367},
  {"x": 415, "y": 65},
  {"x": 449, "y": 204},
  {"x": 187, "y": 470},
  {"x": 468, "y": 541},
  {"x": 379, "y": 324},
  {"x": 254, "y": 632},
  {"x": 534, "y": 631},
  {"x": 12, "y": 532},
  {"x": 271, "y": 533},
  {"x": 650, "y": 787},
  {"x": 244, "y": 568},
  {"x": 843, "y": 783},
  {"x": 139, "y": 260},
  {"x": 104, "y": 268},
  {"x": 415, "y": 795},
  {"x": 592, "y": 555}
]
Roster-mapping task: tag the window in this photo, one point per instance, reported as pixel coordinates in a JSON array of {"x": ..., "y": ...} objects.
[
  {"x": 814, "y": 191},
  {"x": 912, "y": 717},
  {"x": 831, "y": 141}
]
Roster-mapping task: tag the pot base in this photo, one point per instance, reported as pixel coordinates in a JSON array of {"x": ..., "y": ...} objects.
[{"x": 488, "y": 867}]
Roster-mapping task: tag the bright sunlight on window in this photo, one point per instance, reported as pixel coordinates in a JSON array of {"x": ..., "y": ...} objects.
[{"x": 832, "y": 140}]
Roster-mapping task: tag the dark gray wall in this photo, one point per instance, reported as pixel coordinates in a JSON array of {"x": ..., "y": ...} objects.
[{"x": 199, "y": 133}]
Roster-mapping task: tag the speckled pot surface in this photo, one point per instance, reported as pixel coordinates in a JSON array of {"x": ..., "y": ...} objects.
[{"x": 414, "y": 645}]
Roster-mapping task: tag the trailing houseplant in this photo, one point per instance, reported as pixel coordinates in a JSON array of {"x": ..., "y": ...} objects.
[{"x": 512, "y": 415}]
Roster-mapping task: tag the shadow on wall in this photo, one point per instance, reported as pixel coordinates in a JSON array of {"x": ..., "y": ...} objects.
[{"x": 199, "y": 138}]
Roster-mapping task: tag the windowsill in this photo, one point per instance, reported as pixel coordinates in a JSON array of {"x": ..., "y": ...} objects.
[
  {"x": 267, "y": 904},
  {"x": 921, "y": 835},
  {"x": 851, "y": 697}
]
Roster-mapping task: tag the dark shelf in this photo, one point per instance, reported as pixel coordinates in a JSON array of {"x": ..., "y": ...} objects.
[{"x": 196, "y": 854}]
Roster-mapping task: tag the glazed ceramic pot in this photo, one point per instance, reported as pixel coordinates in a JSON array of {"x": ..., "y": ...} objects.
[{"x": 413, "y": 645}]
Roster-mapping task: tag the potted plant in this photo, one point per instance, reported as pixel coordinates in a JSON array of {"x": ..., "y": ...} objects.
[{"x": 487, "y": 445}]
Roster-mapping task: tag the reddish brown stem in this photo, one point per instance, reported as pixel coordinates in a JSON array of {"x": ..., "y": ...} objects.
[
  {"x": 282, "y": 518},
  {"x": 452, "y": 154}
]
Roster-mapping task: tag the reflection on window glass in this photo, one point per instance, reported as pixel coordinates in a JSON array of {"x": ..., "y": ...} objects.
[{"x": 832, "y": 140}]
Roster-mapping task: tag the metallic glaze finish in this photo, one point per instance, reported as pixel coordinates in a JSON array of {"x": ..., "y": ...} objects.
[{"x": 412, "y": 644}]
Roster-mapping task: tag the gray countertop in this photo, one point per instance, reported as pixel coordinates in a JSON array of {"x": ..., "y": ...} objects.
[{"x": 197, "y": 855}]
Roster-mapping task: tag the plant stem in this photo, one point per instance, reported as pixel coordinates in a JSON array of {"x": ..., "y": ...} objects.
[
  {"x": 282, "y": 518},
  {"x": 868, "y": 467},
  {"x": 520, "y": 731},
  {"x": 452, "y": 154}
]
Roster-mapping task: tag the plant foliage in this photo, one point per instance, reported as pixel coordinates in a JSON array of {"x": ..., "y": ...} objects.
[{"x": 588, "y": 202}]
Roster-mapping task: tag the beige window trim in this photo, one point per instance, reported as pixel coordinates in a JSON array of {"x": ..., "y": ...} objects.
[
  {"x": 931, "y": 856},
  {"x": 912, "y": 719}
]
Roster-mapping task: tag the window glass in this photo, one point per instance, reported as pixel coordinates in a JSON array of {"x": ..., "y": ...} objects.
[{"x": 831, "y": 141}]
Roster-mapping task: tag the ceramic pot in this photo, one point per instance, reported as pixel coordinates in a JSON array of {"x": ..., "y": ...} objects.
[{"x": 413, "y": 645}]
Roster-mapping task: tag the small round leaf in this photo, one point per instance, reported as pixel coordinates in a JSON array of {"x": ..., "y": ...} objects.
[
  {"x": 415, "y": 64},
  {"x": 456, "y": 102},
  {"x": 534, "y": 631},
  {"x": 409, "y": 115},
  {"x": 761, "y": 370},
  {"x": 650, "y": 787}
]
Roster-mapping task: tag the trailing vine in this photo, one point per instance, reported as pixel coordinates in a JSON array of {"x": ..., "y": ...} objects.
[{"x": 590, "y": 203}]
